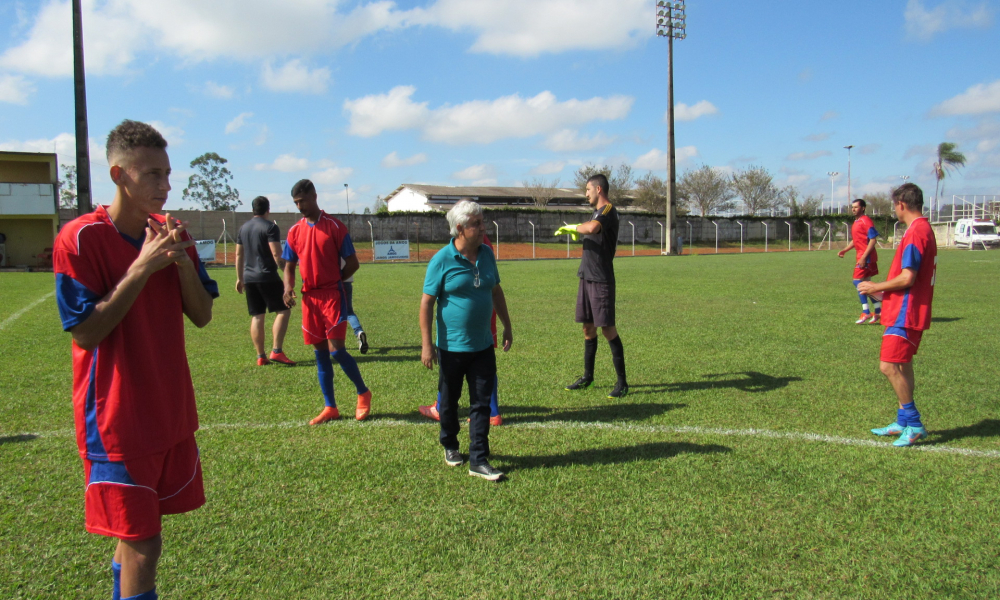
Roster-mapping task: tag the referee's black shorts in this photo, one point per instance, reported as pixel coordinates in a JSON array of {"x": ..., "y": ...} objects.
[
  {"x": 261, "y": 296},
  {"x": 595, "y": 303}
]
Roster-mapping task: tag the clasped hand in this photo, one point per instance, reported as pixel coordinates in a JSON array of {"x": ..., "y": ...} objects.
[{"x": 163, "y": 245}]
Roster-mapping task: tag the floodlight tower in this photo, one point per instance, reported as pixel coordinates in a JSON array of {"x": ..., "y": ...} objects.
[
  {"x": 83, "y": 205},
  {"x": 833, "y": 176},
  {"x": 849, "y": 198},
  {"x": 671, "y": 23}
]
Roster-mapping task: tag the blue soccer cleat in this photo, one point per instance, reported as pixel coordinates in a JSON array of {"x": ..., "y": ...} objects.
[
  {"x": 891, "y": 429},
  {"x": 909, "y": 436}
]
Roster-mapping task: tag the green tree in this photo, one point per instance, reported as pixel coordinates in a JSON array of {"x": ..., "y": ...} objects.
[
  {"x": 210, "y": 185},
  {"x": 651, "y": 193},
  {"x": 810, "y": 206},
  {"x": 67, "y": 187},
  {"x": 878, "y": 204},
  {"x": 706, "y": 190},
  {"x": 541, "y": 191},
  {"x": 948, "y": 158},
  {"x": 755, "y": 187}
]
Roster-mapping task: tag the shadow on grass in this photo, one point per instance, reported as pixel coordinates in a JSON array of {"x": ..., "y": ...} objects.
[
  {"x": 945, "y": 319},
  {"x": 751, "y": 381},
  {"x": 984, "y": 429},
  {"x": 611, "y": 456},
  {"x": 381, "y": 354},
  {"x": 14, "y": 439}
]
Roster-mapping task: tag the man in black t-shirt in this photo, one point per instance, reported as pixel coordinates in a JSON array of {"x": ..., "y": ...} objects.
[
  {"x": 258, "y": 268},
  {"x": 595, "y": 299}
]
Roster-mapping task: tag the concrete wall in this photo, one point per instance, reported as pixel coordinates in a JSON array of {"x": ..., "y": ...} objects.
[
  {"x": 27, "y": 237},
  {"x": 408, "y": 200}
]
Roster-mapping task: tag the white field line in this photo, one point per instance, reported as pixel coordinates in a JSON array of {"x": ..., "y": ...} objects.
[
  {"x": 683, "y": 430},
  {"x": 21, "y": 312}
]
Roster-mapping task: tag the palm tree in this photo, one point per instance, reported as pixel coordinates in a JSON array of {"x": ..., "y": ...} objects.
[{"x": 948, "y": 158}]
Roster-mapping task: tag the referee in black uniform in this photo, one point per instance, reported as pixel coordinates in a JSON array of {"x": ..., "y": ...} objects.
[{"x": 595, "y": 300}]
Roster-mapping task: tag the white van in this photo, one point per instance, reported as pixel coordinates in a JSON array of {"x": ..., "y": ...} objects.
[{"x": 976, "y": 233}]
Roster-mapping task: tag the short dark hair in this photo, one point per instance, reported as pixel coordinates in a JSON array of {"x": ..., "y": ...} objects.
[
  {"x": 600, "y": 180},
  {"x": 911, "y": 195},
  {"x": 261, "y": 205},
  {"x": 860, "y": 202},
  {"x": 302, "y": 187},
  {"x": 129, "y": 135}
]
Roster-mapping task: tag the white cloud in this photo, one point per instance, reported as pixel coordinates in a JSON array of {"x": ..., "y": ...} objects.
[
  {"x": 478, "y": 121},
  {"x": 808, "y": 155},
  {"x": 294, "y": 76},
  {"x": 977, "y": 100},
  {"x": 262, "y": 136},
  {"x": 570, "y": 140},
  {"x": 923, "y": 24},
  {"x": 683, "y": 112},
  {"x": 64, "y": 145},
  {"x": 531, "y": 27},
  {"x": 656, "y": 159},
  {"x": 173, "y": 135},
  {"x": 475, "y": 172},
  {"x": 818, "y": 137},
  {"x": 15, "y": 89},
  {"x": 549, "y": 168},
  {"x": 869, "y": 149},
  {"x": 392, "y": 160},
  {"x": 332, "y": 175},
  {"x": 238, "y": 123},
  {"x": 829, "y": 115},
  {"x": 215, "y": 90},
  {"x": 286, "y": 163}
]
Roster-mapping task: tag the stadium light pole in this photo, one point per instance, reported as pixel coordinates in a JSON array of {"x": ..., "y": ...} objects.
[
  {"x": 833, "y": 176},
  {"x": 671, "y": 23},
  {"x": 83, "y": 204},
  {"x": 347, "y": 198},
  {"x": 848, "y": 148}
]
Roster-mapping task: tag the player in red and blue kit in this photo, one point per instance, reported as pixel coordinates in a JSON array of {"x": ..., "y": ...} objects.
[
  {"x": 906, "y": 310},
  {"x": 125, "y": 279},
  {"x": 317, "y": 243},
  {"x": 864, "y": 234}
]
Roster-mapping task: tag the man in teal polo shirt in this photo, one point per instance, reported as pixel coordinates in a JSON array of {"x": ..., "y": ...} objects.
[{"x": 464, "y": 281}]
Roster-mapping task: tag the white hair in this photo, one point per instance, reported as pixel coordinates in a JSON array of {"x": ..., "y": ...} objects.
[{"x": 460, "y": 214}]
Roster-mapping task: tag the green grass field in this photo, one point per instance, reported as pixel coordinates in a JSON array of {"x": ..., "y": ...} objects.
[{"x": 740, "y": 466}]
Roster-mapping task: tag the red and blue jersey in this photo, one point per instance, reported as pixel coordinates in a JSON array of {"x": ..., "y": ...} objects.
[
  {"x": 910, "y": 308},
  {"x": 317, "y": 248},
  {"x": 862, "y": 232},
  {"x": 132, "y": 394}
]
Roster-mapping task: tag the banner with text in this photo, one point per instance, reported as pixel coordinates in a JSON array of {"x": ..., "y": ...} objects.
[
  {"x": 206, "y": 250},
  {"x": 392, "y": 250}
]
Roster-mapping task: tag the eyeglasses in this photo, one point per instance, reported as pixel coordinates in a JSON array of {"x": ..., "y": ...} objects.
[{"x": 475, "y": 277}]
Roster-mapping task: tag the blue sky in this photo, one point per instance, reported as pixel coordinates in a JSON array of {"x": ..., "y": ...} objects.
[{"x": 495, "y": 92}]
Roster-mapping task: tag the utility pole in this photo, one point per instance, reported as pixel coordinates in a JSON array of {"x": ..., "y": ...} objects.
[
  {"x": 671, "y": 22},
  {"x": 83, "y": 204}
]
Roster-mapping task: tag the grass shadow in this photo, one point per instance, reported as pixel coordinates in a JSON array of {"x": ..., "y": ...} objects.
[
  {"x": 751, "y": 381},
  {"x": 613, "y": 411},
  {"x": 984, "y": 429},
  {"x": 945, "y": 319},
  {"x": 14, "y": 439},
  {"x": 611, "y": 456}
]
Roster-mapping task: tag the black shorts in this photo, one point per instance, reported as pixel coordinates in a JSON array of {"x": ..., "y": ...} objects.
[
  {"x": 595, "y": 303},
  {"x": 261, "y": 296}
]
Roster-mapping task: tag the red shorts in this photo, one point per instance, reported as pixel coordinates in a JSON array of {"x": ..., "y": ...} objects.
[
  {"x": 321, "y": 318},
  {"x": 899, "y": 345},
  {"x": 126, "y": 499},
  {"x": 871, "y": 271}
]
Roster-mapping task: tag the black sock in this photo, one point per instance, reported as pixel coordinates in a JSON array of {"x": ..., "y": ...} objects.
[
  {"x": 618, "y": 358},
  {"x": 589, "y": 353}
]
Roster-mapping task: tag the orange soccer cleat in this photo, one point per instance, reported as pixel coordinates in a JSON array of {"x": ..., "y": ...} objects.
[
  {"x": 364, "y": 406},
  {"x": 279, "y": 357},
  {"x": 496, "y": 421},
  {"x": 330, "y": 413},
  {"x": 430, "y": 411},
  {"x": 261, "y": 361}
]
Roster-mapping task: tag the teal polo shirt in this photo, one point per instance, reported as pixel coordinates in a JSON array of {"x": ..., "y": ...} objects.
[{"x": 463, "y": 310}]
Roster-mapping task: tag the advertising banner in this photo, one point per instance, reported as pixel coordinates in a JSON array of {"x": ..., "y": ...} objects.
[
  {"x": 392, "y": 250},
  {"x": 206, "y": 250}
]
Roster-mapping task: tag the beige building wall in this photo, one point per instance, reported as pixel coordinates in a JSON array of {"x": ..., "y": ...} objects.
[{"x": 29, "y": 232}]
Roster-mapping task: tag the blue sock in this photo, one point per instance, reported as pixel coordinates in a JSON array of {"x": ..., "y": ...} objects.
[
  {"x": 876, "y": 305},
  {"x": 437, "y": 405},
  {"x": 116, "y": 576},
  {"x": 494, "y": 400},
  {"x": 912, "y": 415},
  {"x": 324, "y": 369},
  {"x": 862, "y": 297},
  {"x": 901, "y": 417},
  {"x": 350, "y": 367},
  {"x": 150, "y": 595}
]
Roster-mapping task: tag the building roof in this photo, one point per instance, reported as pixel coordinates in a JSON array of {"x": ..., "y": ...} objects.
[{"x": 444, "y": 195}]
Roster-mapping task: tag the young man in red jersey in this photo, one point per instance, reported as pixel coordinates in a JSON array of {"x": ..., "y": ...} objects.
[
  {"x": 316, "y": 244},
  {"x": 864, "y": 234},
  {"x": 125, "y": 279},
  {"x": 906, "y": 309}
]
